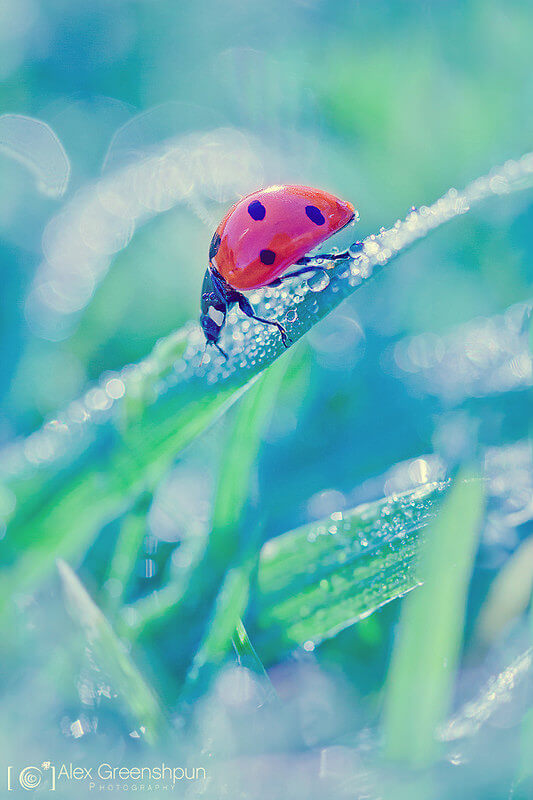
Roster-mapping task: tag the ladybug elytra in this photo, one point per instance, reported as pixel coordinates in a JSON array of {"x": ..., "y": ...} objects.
[{"x": 260, "y": 237}]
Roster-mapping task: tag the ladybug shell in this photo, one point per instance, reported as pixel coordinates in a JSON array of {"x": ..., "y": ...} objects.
[{"x": 269, "y": 230}]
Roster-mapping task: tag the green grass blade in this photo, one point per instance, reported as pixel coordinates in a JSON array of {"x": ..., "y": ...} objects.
[
  {"x": 226, "y": 628},
  {"x": 246, "y": 652},
  {"x": 130, "y": 538},
  {"x": 323, "y": 577},
  {"x": 149, "y": 611},
  {"x": 524, "y": 773},
  {"x": 465, "y": 723},
  {"x": 229, "y": 605},
  {"x": 509, "y": 595},
  {"x": 523, "y": 783},
  {"x": 206, "y": 612},
  {"x": 425, "y": 657},
  {"x": 247, "y": 657},
  {"x": 139, "y": 700}
]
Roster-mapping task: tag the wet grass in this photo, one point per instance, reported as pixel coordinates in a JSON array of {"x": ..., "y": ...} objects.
[{"x": 103, "y": 457}]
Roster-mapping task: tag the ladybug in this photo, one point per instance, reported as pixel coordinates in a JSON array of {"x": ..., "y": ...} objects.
[{"x": 261, "y": 236}]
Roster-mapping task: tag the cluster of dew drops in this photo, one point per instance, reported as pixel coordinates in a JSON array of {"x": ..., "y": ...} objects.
[
  {"x": 373, "y": 524},
  {"x": 395, "y": 517}
]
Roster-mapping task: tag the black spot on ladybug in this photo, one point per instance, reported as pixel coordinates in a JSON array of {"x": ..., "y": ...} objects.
[
  {"x": 256, "y": 210},
  {"x": 315, "y": 215},
  {"x": 213, "y": 247},
  {"x": 267, "y": 256}
]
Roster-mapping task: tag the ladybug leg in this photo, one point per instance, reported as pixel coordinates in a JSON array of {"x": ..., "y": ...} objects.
[
  {"x": 336, "y": 256},
  {"x": 312, "y": 268},
  {"x": 331, "y": 256},
  {"x": 297, "y": 272},
  {"x": 247, "y": 308}
]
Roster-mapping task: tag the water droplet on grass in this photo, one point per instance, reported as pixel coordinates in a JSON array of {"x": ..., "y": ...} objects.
[
  {"x": 318, "y": 282},
  {"x": 291, "y": 315},
  {"x": 355, "y": 248}
]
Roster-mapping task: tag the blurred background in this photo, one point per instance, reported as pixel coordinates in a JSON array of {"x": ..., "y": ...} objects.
[{"x": 103, "y": 245}]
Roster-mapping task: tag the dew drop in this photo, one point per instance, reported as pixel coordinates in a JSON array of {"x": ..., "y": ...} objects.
[
  {"x": 291, "y": 315},
  {"x": 355, "y": 248},
  {"x": 318, "y": 282}
]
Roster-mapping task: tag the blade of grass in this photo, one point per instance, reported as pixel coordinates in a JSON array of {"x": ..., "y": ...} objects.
[
  {"x": 426, "y": 653},
  {"x": 94, "y": 459},
  {"x": 508, "y": 596},
  {"x": 229, "y": 605},
  {"x": 246, "y": 652},
  {"x": 323, "y": 577},
  {"x": 206, "y": 613},
  {"x": 524, "y": 774},
  {"x": 139, "y": 700},
  {"x": 130, "y": 537},
  {"x": 248, "y": 658},
  {"x": 497, "y": 691}
]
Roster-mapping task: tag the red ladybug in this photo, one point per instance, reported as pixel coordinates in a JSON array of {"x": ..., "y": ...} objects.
[{"x": 260, "y": 237}]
